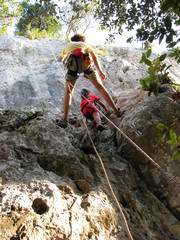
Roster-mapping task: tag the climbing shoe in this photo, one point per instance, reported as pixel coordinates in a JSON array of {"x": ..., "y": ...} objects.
[
  {"x": 62, "y": 123},
  {"x": 120, "y": 112},
  {"x": 100, "y": 127}
]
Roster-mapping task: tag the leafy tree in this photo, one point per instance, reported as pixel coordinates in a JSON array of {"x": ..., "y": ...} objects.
[
  {"x": 78, "y": 15},
  {"x": 9, "y": 11},
  {"x": 39, "y": 18},
  {"x": 153, "y": 19}
]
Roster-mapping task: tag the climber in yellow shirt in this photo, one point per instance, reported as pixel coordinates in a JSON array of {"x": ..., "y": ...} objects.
[{"x": 79, "y": 57}]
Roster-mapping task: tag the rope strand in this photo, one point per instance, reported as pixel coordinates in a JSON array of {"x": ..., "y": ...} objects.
[{"x": 104, "y": 170}]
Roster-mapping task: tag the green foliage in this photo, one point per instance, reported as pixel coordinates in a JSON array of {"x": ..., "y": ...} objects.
[
  {"x": 157, "y": 70},
  {"x": 23, "y": 129},
  {"x": 151, "y": 19},
  {"x": 167, "y": 134},
  {"x": 77, "y": 15},
  {"x": 9, "y": 11},
  {"x": 175, "y": 53},
  {"x": 40, "y": 19},
  {"x": 44, "y": 107},
  {"x": 37, "y": 34}
]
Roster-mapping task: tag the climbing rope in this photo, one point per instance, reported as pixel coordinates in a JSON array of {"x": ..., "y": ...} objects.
[
  {"x": 104, "y": 170},
  {"x": 136, "y": 146}
]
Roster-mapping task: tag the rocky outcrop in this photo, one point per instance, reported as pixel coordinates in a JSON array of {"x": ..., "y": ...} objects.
[
  {"x": 140, "y": 125},
  {"x": 52, "y": 183},
  {"x": 53, "y": 189}
]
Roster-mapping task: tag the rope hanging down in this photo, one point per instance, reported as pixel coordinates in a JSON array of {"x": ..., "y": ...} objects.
[
  {"x": 136, "y": 146},
  {"x": 130, "y": 140},
  {"x": 104, "y": 170}
]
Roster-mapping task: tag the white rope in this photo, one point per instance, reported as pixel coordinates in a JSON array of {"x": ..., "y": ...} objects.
[{"x": 104, "y": 170}]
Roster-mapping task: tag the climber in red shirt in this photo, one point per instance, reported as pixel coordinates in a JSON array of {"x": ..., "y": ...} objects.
[{"x": 89, "y": 107}]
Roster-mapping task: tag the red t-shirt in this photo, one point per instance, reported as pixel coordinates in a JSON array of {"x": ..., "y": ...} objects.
[{"x": 89, "y": 109}]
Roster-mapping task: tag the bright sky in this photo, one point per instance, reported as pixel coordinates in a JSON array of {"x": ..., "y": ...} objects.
[
  {"x": 98, "y": 37},
  {"x": 95, "y": 36}
]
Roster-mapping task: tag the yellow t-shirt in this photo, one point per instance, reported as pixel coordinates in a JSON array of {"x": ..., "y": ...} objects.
[{"x": 71, "y": 46}]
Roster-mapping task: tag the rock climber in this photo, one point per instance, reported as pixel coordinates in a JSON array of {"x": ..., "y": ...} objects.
[
  {"x": 79, "y": 57},
  {"x": 89, "y": 107}
]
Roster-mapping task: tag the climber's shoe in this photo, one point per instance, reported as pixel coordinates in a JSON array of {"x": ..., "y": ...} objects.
[
  {"x": 100, "y": 127},
  {"x": 62, "y": 123}
]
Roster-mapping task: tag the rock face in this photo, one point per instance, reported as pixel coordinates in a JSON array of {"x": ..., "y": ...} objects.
[
  {"x": 145, "y": 117},
  {"x": 52, "y": 183}
]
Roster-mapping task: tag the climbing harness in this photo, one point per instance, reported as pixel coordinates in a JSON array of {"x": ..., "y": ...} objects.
[{"x": 74, "y": 59}]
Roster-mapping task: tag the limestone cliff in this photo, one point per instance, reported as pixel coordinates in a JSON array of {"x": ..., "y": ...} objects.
[{"x": 52, "y": 183}]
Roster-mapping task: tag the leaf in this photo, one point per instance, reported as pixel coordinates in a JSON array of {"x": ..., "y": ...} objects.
[
  {"x": 151, "y": 38},
  {"x": 161, "y": 38},
  {"x": 129, "y": 40},
  {"x": 143, "y": 56},
  {"x": 151, "y": 70},
  {"x": 169, "y": 38},
  {"x": 174, "y": 121},
  {"x": 162, "y": 30},
  {"x": 171, "y": 45},
  {"x": 174, "y": 146},
  {"x": 172, "y": 135},
  {"x": 144, "y": 84},
  {"x": 163, "y": 66},
  {"x": 161, "y": 126},
  {"x": 166, "y": 5},
  {"x": 176, "y": 155},
  {"x": 172, "y": 54},
  {"x": 147, "y": 62},
  {"x": 168, "y": 67},
  {"x": 162, "y": 57},
  {"x": 148, "y": 53},
  {"x": 168, "y": 23},
  {"x": 170, "y": 141}
]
